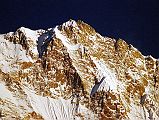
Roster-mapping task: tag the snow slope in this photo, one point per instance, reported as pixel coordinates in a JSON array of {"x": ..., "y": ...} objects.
[
  {"x": 10, "y": 55},
  {"x": 57, "y": 109}
]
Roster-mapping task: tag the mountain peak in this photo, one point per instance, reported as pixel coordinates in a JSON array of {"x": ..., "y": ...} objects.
[
  {"x": 70, "y": 23},
  {"x": 72, "y": 72}
]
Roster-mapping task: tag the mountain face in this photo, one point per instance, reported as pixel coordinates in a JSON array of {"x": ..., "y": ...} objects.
[{"x": 72, "y": 72}]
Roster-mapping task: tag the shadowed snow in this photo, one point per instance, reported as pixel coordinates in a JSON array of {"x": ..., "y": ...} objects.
[{"x": 43, "y": 42}]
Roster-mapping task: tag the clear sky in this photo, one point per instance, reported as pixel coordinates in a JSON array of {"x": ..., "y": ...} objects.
[{"x": 135, "y": 21}]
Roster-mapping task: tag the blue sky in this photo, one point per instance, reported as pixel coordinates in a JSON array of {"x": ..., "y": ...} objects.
[{"x": 136, "y": 21}]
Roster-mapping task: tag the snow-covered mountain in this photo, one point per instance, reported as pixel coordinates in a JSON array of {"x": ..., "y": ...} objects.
[{"x": 72, "y": 72}]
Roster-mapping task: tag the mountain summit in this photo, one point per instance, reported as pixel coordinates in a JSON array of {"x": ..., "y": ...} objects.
[{"x": 72, "y": 72}]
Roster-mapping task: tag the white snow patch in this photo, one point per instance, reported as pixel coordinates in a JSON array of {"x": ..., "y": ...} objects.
[
  {"x": 30, "y": 34},
  {"x": 6, "y": 94},
  {"x": 92, "y": 37},
  {"x": 33, "y": 36},
  {"x": 139, "y": 62},
  {"x": 18, "y": 104},
  {"x": 70, "y": 23},
  {"x": 55, "y": 109},
  {"x": 65, "y": 41},
  {"x": 110, "y": 81},
  {"x": 139, "y": 113},
  {"x": 10, "y": 54},
  {"x": 147, "y": 90},
  {"x": 134, "y": 75}
]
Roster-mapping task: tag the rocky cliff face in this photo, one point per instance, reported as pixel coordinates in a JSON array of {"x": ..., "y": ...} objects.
[{"x": 72, "y": 72}]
